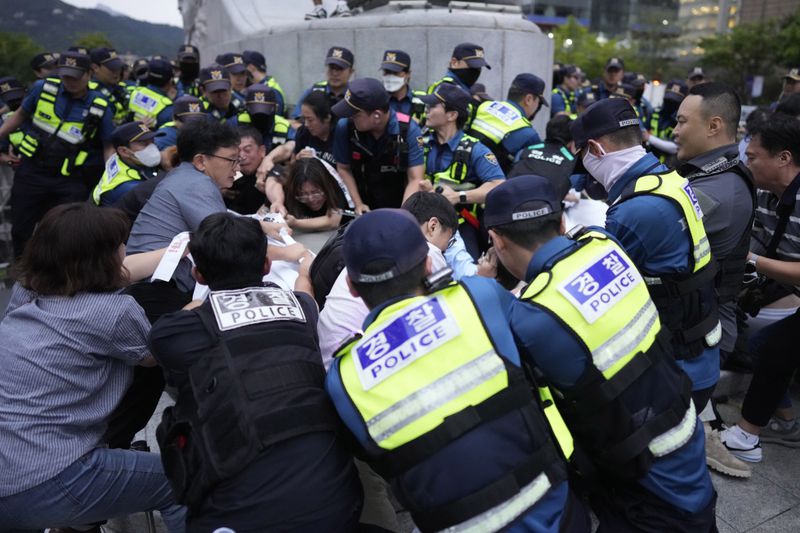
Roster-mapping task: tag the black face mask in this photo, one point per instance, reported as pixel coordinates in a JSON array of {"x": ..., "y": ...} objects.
[
  {"x": 262, "y": 122},
  {"x": 538, "y": 107},
  {"x": 189, "y": 71},
  {"x": 468, "y": 76}
]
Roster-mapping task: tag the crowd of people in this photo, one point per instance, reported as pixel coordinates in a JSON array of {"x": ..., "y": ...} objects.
[{"x": 459, "y": 349}]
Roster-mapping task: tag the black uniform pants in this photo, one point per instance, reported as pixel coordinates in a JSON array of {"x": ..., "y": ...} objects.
[
  {"x": 141, "y": 399},
  {"x": 35, "y": 191}
]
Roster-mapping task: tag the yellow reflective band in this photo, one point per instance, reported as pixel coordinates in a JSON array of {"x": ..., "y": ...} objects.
[
  {"x": 623, "y": 342},
  {"x": 485, "y": 127},
  {"x": 433, "y": 396},
  {"x": 674, "y": 438},
  {"x": 702, "y": 249},
  {"x": 500, "y": 516},
  {"x": 46, "y": 126},
  {"x": 714, "y": 336}
]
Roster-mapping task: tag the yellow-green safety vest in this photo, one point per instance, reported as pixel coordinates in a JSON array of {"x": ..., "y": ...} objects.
[
  {"x": 272, "y": 82},
  {"x": 279, "y": 131},
  {"x": 458, "y": 170},
  {"x": 568, "y": 97},
  {"x": 597, "y": 293},
  {"x": 424, "y": 361},
  {"x": 496, "y": 119},
  {"x": 48, "y": 122},
  {"x": 15, "y": 138},
  {"x": 120, "y": 108},
  {"x": 116, "y": 173},
  {"x": 147, "y": 103}
]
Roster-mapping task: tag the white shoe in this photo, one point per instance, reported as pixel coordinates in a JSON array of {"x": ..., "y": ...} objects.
[
  {"x": 318, "y": 13},
  {"x": 341, "y": 10},
  {"x": 720, "y": 459},
  {"x": 741, "y": 444}
]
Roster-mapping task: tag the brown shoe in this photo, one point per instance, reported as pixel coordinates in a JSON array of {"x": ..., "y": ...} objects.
[{"x": 719, "y": 459}]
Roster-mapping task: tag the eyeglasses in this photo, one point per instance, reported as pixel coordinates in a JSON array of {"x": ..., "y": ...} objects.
[
  {"x": 234, "y": 161},
  {"x": 310, "y": 196}
]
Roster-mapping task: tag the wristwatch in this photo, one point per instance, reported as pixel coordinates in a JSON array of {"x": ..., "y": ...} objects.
[
  {"x": 462, "y": 197},
  {"x": 750, "y": 266}
]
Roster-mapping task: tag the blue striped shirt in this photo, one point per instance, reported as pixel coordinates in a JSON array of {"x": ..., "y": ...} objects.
[{"x": 67, "y": 361}]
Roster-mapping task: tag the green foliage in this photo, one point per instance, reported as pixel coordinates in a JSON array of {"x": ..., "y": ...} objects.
[
  {"x": 789, "y": 41},
  {"x": 16, "y": 52},
  {"x": 97, "y": 39}
]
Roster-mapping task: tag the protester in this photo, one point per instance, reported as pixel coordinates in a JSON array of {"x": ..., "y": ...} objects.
[
  {"x": 70, "y": 342},
  {"x": 315, "y": 201}
]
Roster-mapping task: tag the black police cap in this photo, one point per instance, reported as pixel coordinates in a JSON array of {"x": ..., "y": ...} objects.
[
  {"x": 364, "y": 94},
  {"x": 521, "y": 198},
  {"x": 603, "y": 117}
]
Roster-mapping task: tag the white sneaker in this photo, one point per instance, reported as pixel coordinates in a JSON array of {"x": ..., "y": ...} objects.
[
  {"x": 341, "y": 10},
  {"x": 741, "y": 444},
  {"x": 720, "y": 459},
  {"x": 318, "y": 13}
]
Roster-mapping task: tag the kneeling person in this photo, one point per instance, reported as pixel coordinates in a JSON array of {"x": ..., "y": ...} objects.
[
  {"x": 434, "y": 395},
  {"x": 250, "y": 443},
  {"x": 587, "y": 323}
]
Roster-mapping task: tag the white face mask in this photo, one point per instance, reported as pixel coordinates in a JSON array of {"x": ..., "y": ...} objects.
[
  {"x": 607, "y": 168},
  {"x": 149, "y": 156},
  {"x": 393, "y": 83}
]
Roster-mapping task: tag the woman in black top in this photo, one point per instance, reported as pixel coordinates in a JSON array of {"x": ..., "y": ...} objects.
[{"x": 314, "y": 199}]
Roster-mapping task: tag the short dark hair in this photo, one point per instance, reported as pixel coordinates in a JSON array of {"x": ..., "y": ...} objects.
[
  {"x": 375, "y": 294},
  {"x": 533, "y": 232},
  {"x": 463, "y": 115},
  {"x": 789, "y": 105},
  {"x": 229, "y": 251},
  {"x": 75, "y": 248},
  {"x": 625, "y": 137},
  {"x": 557, "y": 130},
  {"x": 780, "y": 132},
  {"x": 204, "y": 137},
  {"x": 756, "y": 117},
  {"x": 249, "y": 132},
  {"x": 319, "y": 104},
  {"x": 516, "y": 94},
  {"x": 426, "y": 205},
  {"x": 719, "y": 99}
]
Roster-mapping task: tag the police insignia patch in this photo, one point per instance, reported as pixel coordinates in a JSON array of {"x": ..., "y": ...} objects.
[
  {"x": 391, "y": 56},
  {"x": 491, "y": 158},
  {"x": 336, "y": 53},
  {"x": 479, "y": 52},
  {"x": 5, "y": 87},
  {"x": 194, "y": 107},
  {"x": 421, "y": 141},
  {"x": 216, "y": 74},
  {"x": 70, "y": 62}
]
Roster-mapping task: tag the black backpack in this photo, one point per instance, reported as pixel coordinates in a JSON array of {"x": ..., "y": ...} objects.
[{"x": 327, "y": 266}]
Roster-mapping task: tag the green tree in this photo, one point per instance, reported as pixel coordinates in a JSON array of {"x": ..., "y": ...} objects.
[
  {"x": 91, "y": 40},
  {"x": 746, "y": 51},
  {"x": 789, "y": 39},
  {"x": 16, "y": 52}
]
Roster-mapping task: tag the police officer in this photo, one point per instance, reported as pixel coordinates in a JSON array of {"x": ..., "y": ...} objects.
[
  {"x": 151, "y": 103},
  {"x": 458, "y": 165},
  {"x": 233, "y": 63},
  {"x": 261, "y": 112},
  {"x": 44, "y": 64},
  {"x": 612, "y": 76},
  {"x": 339, "y": 67},
  {"x": 563, "y": 99},
  {"x": 106, "y": 77},
  {"x": 607, "y": 361},
  {"x": 663, "y": 121},
  {"x": 139, "y": 72},
  {"x": 465, "y": 67},
  {"x": 505, "y": 126},
  {"x": 378, "y": 153},
  {"x": 186, "y": 108},
  {"x": 189, "y": 65},
  {"x": 583, "y": 101},
  {"x": 11, "y": 93},
  {"x": 656, "y": 217},
  {"x": 136, "y": 159},
  {"x": 67, "y": 129},
  {"x": 432, "y": 386},
  {"x": 553, "y": 158},
  {"x": 257, "y": 66},
  {"x": 696, "y": 76},
  {"x": 396, "y": 69},
  {"x": 267, "y": 459},
  {"x": 215, "y": 87}
]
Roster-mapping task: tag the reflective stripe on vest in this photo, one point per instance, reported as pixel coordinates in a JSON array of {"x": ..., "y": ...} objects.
[
  {"x": 501, "y": 515},
  {"x": 146, "y": 103},
  {"x": 422, "y": 360},
  {"x": 115, "y": 174},
  {"x": 458, "y": 169},
  {"x": 598, "y": 292},
  {"x": 497, "y": 119},
  {"x": 280, "y": 128},
  {"x": 568, "y": 99},
  {"x": 674, "y": 187},
  {"x": 674, "y": 438}
]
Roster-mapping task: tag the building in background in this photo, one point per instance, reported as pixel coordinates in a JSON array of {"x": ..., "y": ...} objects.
[{"x": 704, "y": 18}]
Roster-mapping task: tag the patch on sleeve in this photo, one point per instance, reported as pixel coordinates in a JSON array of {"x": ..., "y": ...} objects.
[
  {"x": 491, "y": 158},
  {"x": 421, "y": 141}
]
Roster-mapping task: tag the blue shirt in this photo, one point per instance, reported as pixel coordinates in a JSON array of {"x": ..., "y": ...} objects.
[
  {"x": 491, "y": 449},
  {"x": 76, "y": 110},
  {"x": 341, "y": 140},
  {"x": 483, "y": 165},
  {"x": 521, "y": 138},
  {"x": 681, "y": 478},
  {"x": 557, "y": 103},
  {"x": 170, "y": 137},
  {"x": 404, "y": 105},
  {"x": 187, "y": 88},
  {"x": 653, "y": 232},
  {"x": 455, "y": 80},
  {"x": 459, "y": 259}
]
